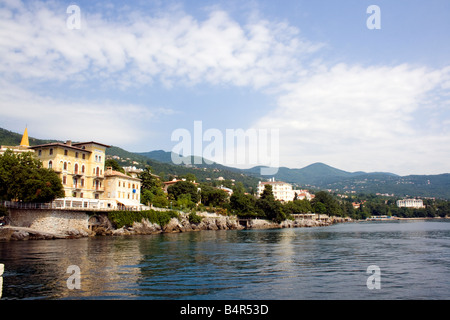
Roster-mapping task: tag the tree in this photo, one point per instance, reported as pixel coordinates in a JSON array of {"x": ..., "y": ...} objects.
[
  {"x": 184, "y": 201},
  {"x": 151, "y": 189},
  {"x": 243, "y": 204},
  {"x": 114, "y": 165},
  {"x": 271, "y": 208},
  {"x": 213, "y": 197},
  {"x": 183, "y": 188},
  {"x": 297, "y": 206},
  {"x": 327, "y": 204},
  {"x": 189, "y": 177},
  {"x": 23, "y": 178}
]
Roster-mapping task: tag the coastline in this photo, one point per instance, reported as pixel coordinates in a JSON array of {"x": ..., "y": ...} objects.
[
  {"x": 209, "y": 222},
  {"x": 213, "y": 222}
]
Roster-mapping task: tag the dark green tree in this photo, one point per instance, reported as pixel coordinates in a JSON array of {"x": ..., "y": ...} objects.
[
  {"x": 151, "y": 189},
  {"x": 22, "y": 178},
  {"x": 271, "y": 208},
  {"x": 213, "y": 197},
  {"x": 324, "y": 202},
  {"x": 243, "y": 204},
  {"x": 114, "y": 165},
  {"x": 184, "y": 188}
]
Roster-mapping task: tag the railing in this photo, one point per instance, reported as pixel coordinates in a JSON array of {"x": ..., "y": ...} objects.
[
  {"x": 26, "y": 205},
  {"x": 59, "y": 205}
]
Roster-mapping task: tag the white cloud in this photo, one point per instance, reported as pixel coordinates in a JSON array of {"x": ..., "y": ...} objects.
[
  {"x": 390, "y": 118},
  {"x": 35, "y": 43},
  {"x": 362, "y": 117},
  {"x": 107, "y": 122}
]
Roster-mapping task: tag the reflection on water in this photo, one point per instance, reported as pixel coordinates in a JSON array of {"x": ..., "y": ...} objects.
[{"x": 306, "y": 263}]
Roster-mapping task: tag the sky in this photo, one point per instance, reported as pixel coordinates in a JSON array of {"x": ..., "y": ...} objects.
[{"x": 306, "y": 81}]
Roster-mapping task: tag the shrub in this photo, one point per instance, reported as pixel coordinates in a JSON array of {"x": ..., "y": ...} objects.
[
  {"x": 127, "y": 218},
  {"x": 194, "y": 218}
]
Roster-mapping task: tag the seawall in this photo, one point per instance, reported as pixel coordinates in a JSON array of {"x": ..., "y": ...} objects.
[{"x": 32, "y": 224}]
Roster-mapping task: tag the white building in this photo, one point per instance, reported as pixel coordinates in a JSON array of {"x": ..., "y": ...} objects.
[
  {"x": 124, "y": 190},
  {"x": 410, "y": 203},
  {"x": 283, "y": 191}
]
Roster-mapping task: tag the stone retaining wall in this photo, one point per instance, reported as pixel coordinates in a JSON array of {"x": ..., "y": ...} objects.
[{"x": 52, "y": 221}]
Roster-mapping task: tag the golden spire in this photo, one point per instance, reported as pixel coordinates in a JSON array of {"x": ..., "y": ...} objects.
[{"x": 25, "y": 142}]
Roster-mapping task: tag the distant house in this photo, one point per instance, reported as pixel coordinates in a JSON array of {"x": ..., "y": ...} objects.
[
  {"x": 167, "y": 184},
  {"x": 135, "y": 172},
  {"x": 283, "y": 191},
  {"x": 410, "y": 203},
  {"x": 227, "y": 190}
]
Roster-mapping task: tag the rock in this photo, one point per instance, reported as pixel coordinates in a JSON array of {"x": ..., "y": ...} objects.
[
  {"x": 20, "y": 235},
  {"x": 74, "y": 233},
  {"x": 145, "y": 227},
  {"x": 172, "y": 226},
  {"x": 5, "y": 234}
]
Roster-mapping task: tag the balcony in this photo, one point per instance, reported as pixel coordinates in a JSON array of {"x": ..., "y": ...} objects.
[{"x": 78, "y": 174}]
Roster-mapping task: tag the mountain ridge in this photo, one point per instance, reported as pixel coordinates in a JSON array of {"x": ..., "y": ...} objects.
[{"x": 314, "y": 176}]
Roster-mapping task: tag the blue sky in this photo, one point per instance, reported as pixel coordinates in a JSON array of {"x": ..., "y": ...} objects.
[{"x": 135, "y": 72}]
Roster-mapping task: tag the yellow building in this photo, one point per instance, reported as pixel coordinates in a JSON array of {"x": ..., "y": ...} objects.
[{"x": 79, "y": 165}]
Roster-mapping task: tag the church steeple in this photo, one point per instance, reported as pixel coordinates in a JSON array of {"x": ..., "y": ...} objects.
[{"x": 25, "y": 142}]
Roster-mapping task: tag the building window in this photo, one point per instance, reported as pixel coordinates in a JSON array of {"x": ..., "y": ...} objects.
[
  {"x": 40, "y": 153},
  {"x": 82, "y": 168},
  {"x": 81, "y": 195},
  {"x": 65, "y": 152},
  {"x": 82, "y": 182},
  {"x": 65, "y": 165},
  {"x": 74, "y": 194},
  {"x": 50, "y": 164},
  {"x": 50, "y": 152},
  {"x": 64, "y": 179},
  {"x": 84, "y": 156},
  {"x": 75, "y": 169},
  {"x": 96, "y": 196},
  {"x": 76, "y": 154}
]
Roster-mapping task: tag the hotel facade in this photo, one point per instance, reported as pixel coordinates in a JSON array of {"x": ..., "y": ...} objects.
[
  {"x": 410, "y": 203},
  {"x": 283, "y": 191},
  {"x": 79, "y": 165}
]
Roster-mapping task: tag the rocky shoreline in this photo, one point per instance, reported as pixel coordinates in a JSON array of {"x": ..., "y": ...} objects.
[
  {"x": 212, "y": 222},
  {"x": 176, "y": 225}
]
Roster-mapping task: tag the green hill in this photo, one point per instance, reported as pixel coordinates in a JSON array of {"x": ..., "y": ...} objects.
[
  {"x": 9, "y": 138},
  {"x": 317, "y": 176}
]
